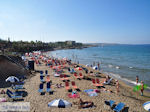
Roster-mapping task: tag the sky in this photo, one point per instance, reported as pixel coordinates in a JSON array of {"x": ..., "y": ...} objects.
[{"x": 87, "y": 21}]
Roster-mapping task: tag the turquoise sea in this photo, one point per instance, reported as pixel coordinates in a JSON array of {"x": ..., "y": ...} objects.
[{"x": 124, "y": 62}]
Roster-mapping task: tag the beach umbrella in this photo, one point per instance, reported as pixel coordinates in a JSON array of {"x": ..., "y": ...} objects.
[
  {"x": 60, "y": 103},
  {"x": 12, "y": 79},
  {"x": 92, "y": 93},
  {"x": 95, "y": 67},
  {"x": 87, "y": 65},
  {"x": 146, "y": 106}
]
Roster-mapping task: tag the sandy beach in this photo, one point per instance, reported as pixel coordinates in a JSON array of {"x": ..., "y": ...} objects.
[
  {"x": 133, "y": 101},
  {"x": 40, "y": 102}
]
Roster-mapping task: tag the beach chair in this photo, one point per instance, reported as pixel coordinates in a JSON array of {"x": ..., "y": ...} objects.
[
  {"x": 16, "y": 87},
  {"x": 46, "y": 72},
  {"x": 110, "y": 103},
  {"x": 14, "y": 95},
  {"x": 81, "y": 76},
  {"x": 108, "y": 82},
  {"x": 65, "y": 77},
  {"x": 74, "y": 86},
  {"x": 67, "y": 86},
  {"x": 98, "y": 83},
  {"x": 48, "y": 89},
  {"x": 76, "y": 76},
  {"x": 41, "y": 73},
  {"x": 119, "y": 107},
  {"x": 40, "y": 88},
  {"x": 61, "y": 77},
  {"x": 94, "y": 82},
  {"x": 41, "y": 78}
]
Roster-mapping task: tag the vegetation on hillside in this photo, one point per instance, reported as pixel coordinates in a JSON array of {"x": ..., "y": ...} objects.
[{"x": 25, "y": 46}]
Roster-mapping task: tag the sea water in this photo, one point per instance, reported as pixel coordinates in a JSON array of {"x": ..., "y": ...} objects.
[{"x": 120, "y": 61}]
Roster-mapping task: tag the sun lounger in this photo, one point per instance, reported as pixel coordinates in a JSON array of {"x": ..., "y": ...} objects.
[
  {"x": 111, "y": 103},
  {"x": 62, "y": 77},
  {"x": 81, "y": 76},
  {"x": 41, "y": 73},
  {"x": 119, "y": 107},
  {"x": 76, "y": 76},
  {"x": 65, "y": 77},
  {"x": 108, "y": 82},
  {"x": 46, "y": 72},
  {"x": 98, "y": 83},
  {"x": 41, "y": 88},
  {"x": 48, "y": 89},
  {"x": 94, "y": 82},
  {"x": 67, "y": 86},
  {"x": 16, "y": 87},
  {"x": 74, "y": 86},
  {"x": 41, "y": 78},
  {"x": 14, "y": 95}
]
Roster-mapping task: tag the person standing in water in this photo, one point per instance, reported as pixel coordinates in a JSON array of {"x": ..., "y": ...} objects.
[
  {"x": 98, "y": 64},
  {"x": 117, "y": 86},
  {"x": 137, "y": 79},
  {"x": 142, "y": 88}
]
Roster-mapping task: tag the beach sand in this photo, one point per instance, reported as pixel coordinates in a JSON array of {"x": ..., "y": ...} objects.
[{"x": 39, "y": 103}]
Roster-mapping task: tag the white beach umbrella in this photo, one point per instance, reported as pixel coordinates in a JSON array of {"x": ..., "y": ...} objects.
[
  {"x": 146, "y": 106},
  {"x": 87, "y": 65},
  {"x": 60, "y": 103},
  {"x": 95, "y": 67},
  {"x": 12, "y": 79}
]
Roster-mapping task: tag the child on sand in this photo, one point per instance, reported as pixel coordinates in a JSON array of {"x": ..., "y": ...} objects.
[{"x": 142, "y": 88}]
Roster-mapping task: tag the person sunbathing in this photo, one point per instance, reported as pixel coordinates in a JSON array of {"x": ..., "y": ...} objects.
[
  {"x": 85, "y": 104},
  {"x": 59, "y": 85}
]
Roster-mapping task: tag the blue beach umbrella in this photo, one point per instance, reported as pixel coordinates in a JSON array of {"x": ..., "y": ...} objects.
[
  {"x": 60, "y": 103},
  {"x": 146, "y": 106}
]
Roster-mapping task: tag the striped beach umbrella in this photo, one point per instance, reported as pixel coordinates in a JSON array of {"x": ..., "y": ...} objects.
[
  {"x": 146, "y": 106},
  {"x": 60, "y": 103}
]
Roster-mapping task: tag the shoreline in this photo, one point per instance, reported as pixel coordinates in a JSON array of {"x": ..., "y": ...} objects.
[
  {"x": 129, "y": 88},
  {"x": 127, "y": 81}
]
